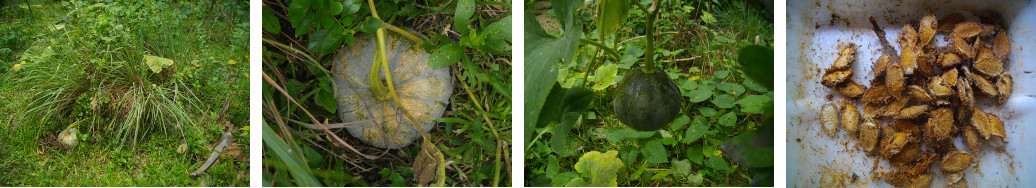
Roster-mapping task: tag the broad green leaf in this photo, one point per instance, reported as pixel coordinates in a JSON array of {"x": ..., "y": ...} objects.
[
  {"x": 349, "y": 7},
  {"x": 688, "y": 84},
  {"x": 731, "y": 88},
  {"x": 707, "y": 112},
  {"x": 728, "y": 119},
  {"x": 335, "y": 8},
  {"x": 270, "y": 22},
  {"x": 446, "y": 55},
  {"x": 616, "y": 135},
  {"x": 563, "y": 178},
  {"x": 655, "y": 152},
  {"x": 754, "y": 86},
  {"x": 757, "y": 63},
  {"x": 753, "y": 103},
  {"x": 156, "y": 64},
  {"x": 326, "y": 40},
  {"x": 695, "y": 131},
  {"x": 751, "y": 149},
  {"x": 679, "y": 122},
  {"x": 369, "y": 25},
  {"x": 605, "y": 76},
  {"x": 721, "y": 74},
  {"x": 723, "y": 101},
  {"x": 558, "y": 140},
  {"x": 702, "y": 93},
  {"x": 543, "y": 51},
  {"x": 602, "y": 168},
  {"x": 707, "y": 17},
  {"x": 462, "y": 16},
  {"x": 611, "y": 14},
  {"x": 684, "y": 171},
  {"x": 499, "y": 39},
  {"x": 325, "y": 98},
  {"x": 694, "y": 154},
  {"x": 718, "y": 163}
]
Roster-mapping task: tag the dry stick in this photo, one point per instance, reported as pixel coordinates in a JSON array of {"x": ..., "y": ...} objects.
[
  {"x": 499, "y": 146},
  {"x": 278, "y": 87},
  {"x": 224, "y": 141},
  {"x": 684, "y": 59},
  {"x": 642, "y": 36}
]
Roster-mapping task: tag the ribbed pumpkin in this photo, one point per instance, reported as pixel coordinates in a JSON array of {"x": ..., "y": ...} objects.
[
  {"x": 424, "y": 92},
  {"x": 647, "y": 102}
]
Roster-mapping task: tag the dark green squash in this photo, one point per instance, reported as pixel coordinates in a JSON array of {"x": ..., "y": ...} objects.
[{"x": 647, "y": 101}]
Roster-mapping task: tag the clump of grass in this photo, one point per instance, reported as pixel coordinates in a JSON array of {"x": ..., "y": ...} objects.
[{"x": 97, "y": 57}]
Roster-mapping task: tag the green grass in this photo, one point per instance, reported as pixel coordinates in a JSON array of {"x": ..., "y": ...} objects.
[{"x": 84, "y": 60}]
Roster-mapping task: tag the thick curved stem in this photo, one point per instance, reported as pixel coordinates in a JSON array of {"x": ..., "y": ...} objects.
[{"x": 649, "y": 62}]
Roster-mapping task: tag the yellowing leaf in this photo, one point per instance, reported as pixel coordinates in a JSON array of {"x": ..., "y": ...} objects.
[
  {"x": 231, "y": 62},
  {"x": 602, "y": 168},
  {"x": 156, "y": 64}
]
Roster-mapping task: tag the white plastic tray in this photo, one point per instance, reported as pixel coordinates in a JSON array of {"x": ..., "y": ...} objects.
[{"x": 814, "y": 30}]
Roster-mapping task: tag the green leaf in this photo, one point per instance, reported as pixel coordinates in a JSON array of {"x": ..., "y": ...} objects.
[
  {"x": 558, "y": 140},
  {"x": 567, "y": 105},
  {"x": 721, "y": 74},
  {"x": 679, "y": 122},
  {"x": 702, "y": 93},
  {"x": 684, "y": 171},
  {"x": 655, "y": 152},
  {"x": 325, "y": 40},
  {"x": 728, "y": 119},
  {"x": 731, "y": 88},
  {"x": 751, "y": 149},
  {"x": 299, "y": 171},
  {"x": 695, "y": 131},
  {"x": 753, "y": 103},
  {"x": 694, "y": 154},
  {"x": 446, "y": 55},
  {"x": 617, "y": 134},
  {"x": 326, "y": 98},
  {"x": 707, "y": 17},
  {"x": 757, "y": 63},
  {"x": 718, "y": 163},
  {"x": 156, "y": 64},
  {"x": 611, "y": 14},
  {"x": 369, "y": 25},
  {"x": 707, "y": 112},
  {"x": 602, "y": 169},
  {"x": 270, "y": 22},
  {"x": 499, "y": 36},
  {"x": 462, "y": 16},
  {"x": 350, "y": 7},
  {"x": 335, "y": 8},
  {"x": 605, "y": 76},
  {"x": 543, "y": 52},
  {"x": 723, "y": 101}
]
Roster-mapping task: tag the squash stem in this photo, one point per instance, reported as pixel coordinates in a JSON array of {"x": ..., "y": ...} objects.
[{"x": 649, "y": 65}]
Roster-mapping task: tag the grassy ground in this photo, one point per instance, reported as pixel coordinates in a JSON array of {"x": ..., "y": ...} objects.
[{"x": 90, "y": 33}]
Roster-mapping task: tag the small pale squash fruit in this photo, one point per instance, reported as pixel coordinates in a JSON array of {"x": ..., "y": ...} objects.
[
  {"x": 423, "y": 92},
  {"x": 647, "y": 102}
]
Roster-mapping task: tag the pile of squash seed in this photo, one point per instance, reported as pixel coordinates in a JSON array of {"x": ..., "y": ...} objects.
[{"x": 928, "y": 92}]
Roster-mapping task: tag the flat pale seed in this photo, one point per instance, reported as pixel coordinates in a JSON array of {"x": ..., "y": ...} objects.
[
  {"x": 1001, "y": 46},
  {"x": 897, "y": 105},
  {"x": 989, "y": 67},
  {"x": 937, "y": 87},
  {"x": 962, "y": 48},
  {"x": 950, "y": 77},
  {"x": 981, "y": 122},
  {"x": 972, "y": 139},
  {"x": 846, "y": 56},
  {"x": 908, "y": 59},
  {"x": 996, "y": 126},
  {"x": 894, "y": 79},
  {"x": 921, "y": 181},
  {"x": 881, "y": 65},
  {"x": 912, "y": 112},
  {"x": 967, "y": 96},
  {"x": 876, "y": 94},
  {"x": 850, "y": 89},
  {"x": 918, "y": 94},
  {"x": 941, "y": 123},
  {"x": 869, "y": 132},
  {"x": 984, "y": 86},
  {"x": 956, "y": 161},
  {"x": 834, "y": 77},
  {"x": 829, "y": 118},
  {"x": 909, "y": 153},
  {"x": 954, "y": 177},
  {"x": 948, "y": 60},
  {"x": 850, "y": 117},
  {"x": 984, "y": 52},
  {"x": 967, "y": 29},
  {"x": 1003, "y": 87},
  {"x": 926, "y": 29},
  {"x": 908, "y": 36},
  {"x": 896, "y": 143}
]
